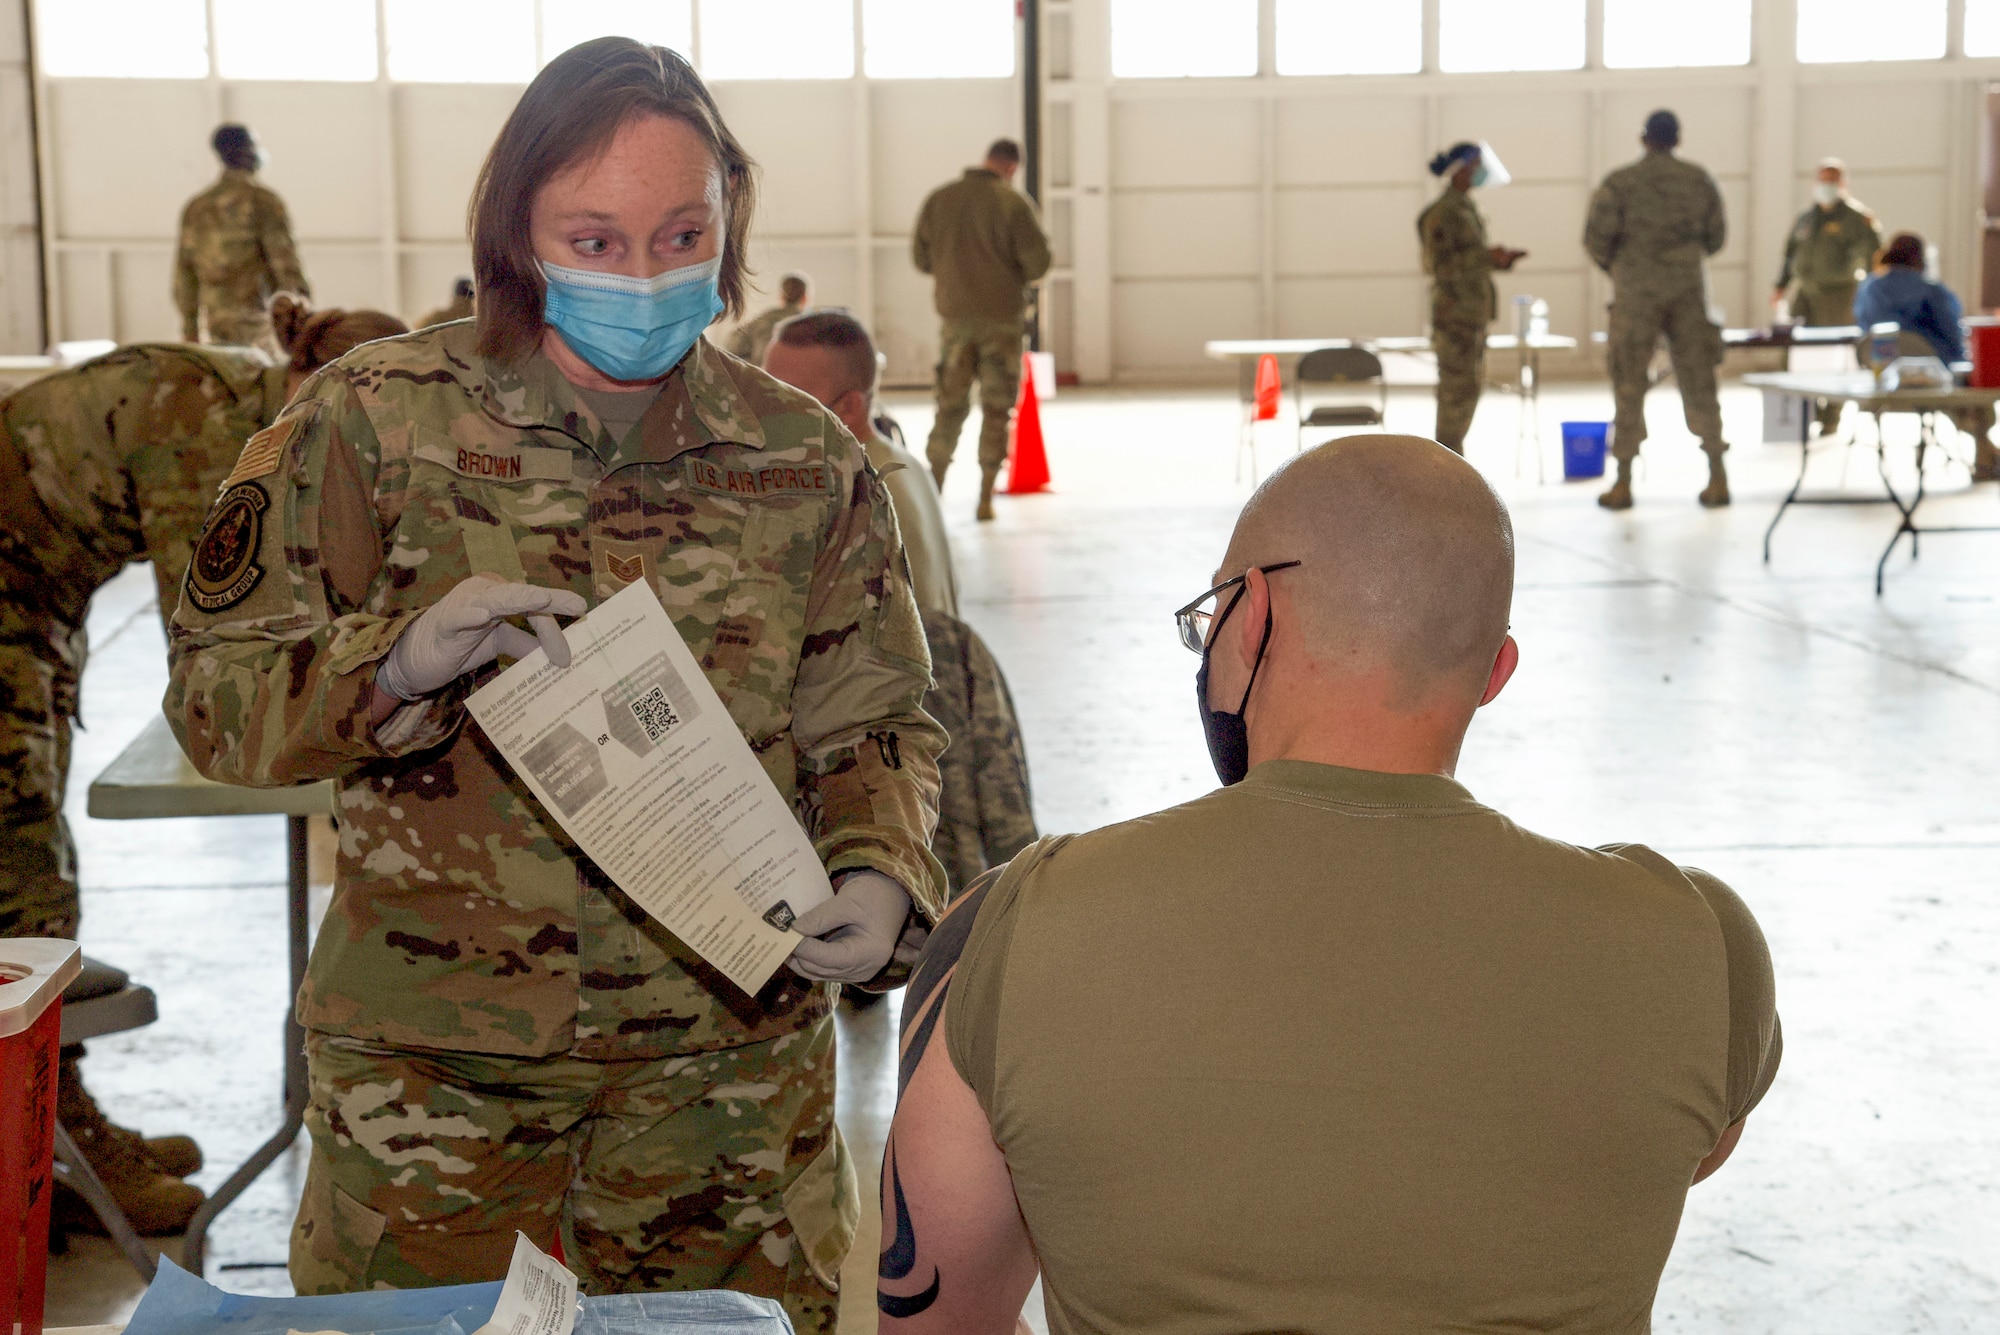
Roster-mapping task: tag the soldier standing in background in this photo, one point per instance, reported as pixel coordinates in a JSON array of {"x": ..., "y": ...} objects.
[
  {"x": 1463, "y": 300},
  {"x": 753, "y": 336},
  {"x": 112, "y": 461},
  {"x": 1829, "y": 251},
  {"x": 981, "y": 241},
  {"x": 236, "y": 251},
  {"x": 1652, "y": 225}
]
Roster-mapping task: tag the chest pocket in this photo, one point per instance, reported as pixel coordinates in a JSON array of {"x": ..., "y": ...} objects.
[{"x": 513, "y": 508}]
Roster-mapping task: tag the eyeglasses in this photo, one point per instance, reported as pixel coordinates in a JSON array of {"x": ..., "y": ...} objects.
[{"x": 1194, "y": 619}]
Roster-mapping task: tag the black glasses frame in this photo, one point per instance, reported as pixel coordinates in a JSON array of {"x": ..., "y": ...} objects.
[{"x": 1194, "y": 623}]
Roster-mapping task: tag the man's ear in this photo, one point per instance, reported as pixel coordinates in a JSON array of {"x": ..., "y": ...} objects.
[
  {"x": 1248, "y": 621},
  {"x": 852, "y": 407},
  {"x": 1504, "y": 664}
]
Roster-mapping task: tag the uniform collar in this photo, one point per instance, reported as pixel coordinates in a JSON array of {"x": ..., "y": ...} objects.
[
  {"x": 275, "y": 393},
  {"x": 700, "y": 404},
  {"x": 987, "y": 172},
  {"x": 1387, "y": 793}
]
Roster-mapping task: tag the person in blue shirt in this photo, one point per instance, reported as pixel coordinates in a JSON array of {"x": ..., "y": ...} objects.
[{"x": 1898, "y": 293}]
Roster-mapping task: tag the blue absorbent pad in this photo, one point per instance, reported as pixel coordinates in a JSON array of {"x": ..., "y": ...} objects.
[{"x": 179, "y": 1303}]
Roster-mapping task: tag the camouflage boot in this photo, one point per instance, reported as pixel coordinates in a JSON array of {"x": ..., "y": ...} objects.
[
  {"x": 985, "y": 511},
  {"x": 1619, "y": 497},
  {"x": 157, "y": 1203},
  {"x": 1716, "y": 494}
]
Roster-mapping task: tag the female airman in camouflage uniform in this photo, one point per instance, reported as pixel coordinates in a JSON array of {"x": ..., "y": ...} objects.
[
  {"x": 112, "y": 461},
  {"x": 500, "y": 1038},
  {"x": 1461, "y": 265}
]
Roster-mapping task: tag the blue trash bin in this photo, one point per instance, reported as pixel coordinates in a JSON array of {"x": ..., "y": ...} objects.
[{"x": 1583, "y": 449}]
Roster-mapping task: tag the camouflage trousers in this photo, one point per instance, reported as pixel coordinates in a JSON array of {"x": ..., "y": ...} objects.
[
  {"x": 989, "y": 352},
  {"x": 38, "y": 895},
  {"x": 1826, "y": 306},
  {"x": 1638, "y": 321},
  {"x": 1461, "y": 357},
  {"x": 717, "y": 1170}
]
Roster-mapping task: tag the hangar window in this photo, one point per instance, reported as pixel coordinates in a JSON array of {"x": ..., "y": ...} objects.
[
  {"x": 938, "y": 39},
  {"x": 124, "y": 39},
  {"x": 296, "y": 39},
  {"x": 1350, "y": 36},
  {"x": 461, "y": 41},
  {"x": 777, "y": 39},
  {"x": 565, "y": 23},
  {"x": 1492, "y": 35},
  {"x": 1835, "y": 30},
  {"x": 1183, "y": 39},
  {"x": 1982, "y": 27},
  {"x": 1644, "y": 34}
]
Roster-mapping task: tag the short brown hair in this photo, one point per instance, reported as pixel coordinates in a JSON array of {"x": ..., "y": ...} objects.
[
  {"x": 1904, "y": 251},
  {"x": 1003, "y": 150},
  {"x": 793, "y": 288},
  {"x": 570, "y": 111},
  {"x": 840, "y": 331},
  {"x": 311, "y": 339}
]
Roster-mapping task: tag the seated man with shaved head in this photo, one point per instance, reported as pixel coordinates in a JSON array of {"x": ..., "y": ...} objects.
[{"x": 1334, "y": 1048}]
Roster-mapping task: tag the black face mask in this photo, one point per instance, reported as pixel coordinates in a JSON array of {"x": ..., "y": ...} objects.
[{"x": 1228, "y": 736}]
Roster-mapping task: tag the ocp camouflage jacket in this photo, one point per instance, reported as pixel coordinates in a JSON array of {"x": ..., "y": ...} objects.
[
  {"x": 1458, "y": 259},
  {"x": 117, "y": 460},
  {"x": 462, "y": 917}
]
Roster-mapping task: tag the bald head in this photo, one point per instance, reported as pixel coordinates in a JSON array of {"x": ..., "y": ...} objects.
[{"x": 1407, "y": 558}]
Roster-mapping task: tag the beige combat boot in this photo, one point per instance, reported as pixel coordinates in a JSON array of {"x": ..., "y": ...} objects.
[
  {"x": 156, "y": 1202},
  {"x": 1619, "y": 497},
  {"x": 1716, "y": 494},
  {"x": 985, "y": 511}
]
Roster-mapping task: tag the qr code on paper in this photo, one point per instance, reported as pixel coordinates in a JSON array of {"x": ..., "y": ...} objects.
[{"x": 655, "y": 715}]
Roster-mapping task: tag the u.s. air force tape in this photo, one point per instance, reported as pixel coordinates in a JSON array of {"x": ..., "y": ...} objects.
[{"x": 225, "y": 569}]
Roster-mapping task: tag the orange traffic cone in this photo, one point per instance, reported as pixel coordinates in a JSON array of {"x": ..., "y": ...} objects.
[
  {"x": 1270, "y": 389},
  {"x": 1027, "y": 460}
]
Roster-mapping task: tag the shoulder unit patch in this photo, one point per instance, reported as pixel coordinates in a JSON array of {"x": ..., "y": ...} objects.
[{"x": 225, "y": 570}]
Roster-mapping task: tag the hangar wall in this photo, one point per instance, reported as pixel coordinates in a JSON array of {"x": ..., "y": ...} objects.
[{"x": 1181, "y": 209}]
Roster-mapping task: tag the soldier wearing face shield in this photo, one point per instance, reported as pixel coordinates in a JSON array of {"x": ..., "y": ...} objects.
[{"x": 1461, "y": 265}]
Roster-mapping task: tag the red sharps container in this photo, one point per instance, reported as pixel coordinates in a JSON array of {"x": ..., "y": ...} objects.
[
  {"x": 33, "y": 974},
  {"x": 1985, "y": 339}
]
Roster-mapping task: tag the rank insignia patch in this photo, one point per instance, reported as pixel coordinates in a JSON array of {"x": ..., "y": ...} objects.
[{"x": 225, "y": 568}]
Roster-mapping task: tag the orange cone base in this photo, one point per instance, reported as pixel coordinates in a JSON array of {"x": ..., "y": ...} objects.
[{"x": 1027, "y": 457}]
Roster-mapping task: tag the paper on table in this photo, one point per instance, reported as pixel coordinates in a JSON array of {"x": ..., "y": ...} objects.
[
  {"x": 631, "y": 750},
  {"x": 539, "y": 1297}
]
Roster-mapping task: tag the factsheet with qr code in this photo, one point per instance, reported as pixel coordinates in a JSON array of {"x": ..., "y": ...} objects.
[{"x": 632, "y": 752}]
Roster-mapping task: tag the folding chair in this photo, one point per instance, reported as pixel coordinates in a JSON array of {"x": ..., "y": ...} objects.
[{"x": 1344, "y": 368}]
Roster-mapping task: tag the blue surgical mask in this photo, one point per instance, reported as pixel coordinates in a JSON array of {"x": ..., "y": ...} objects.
[{"x": 632, "y": 328}]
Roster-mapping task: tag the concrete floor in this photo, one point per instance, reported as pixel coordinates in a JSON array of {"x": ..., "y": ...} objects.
[{"x": 1829, "y": 753}]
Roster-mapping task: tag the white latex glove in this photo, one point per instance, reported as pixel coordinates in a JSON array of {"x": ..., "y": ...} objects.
[
  {"x": 466, "y": 629},
  {"x": 850, "y": 937}
]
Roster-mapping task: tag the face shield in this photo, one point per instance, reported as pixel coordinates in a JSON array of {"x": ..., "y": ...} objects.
[{"x": 1488, "y": 170}]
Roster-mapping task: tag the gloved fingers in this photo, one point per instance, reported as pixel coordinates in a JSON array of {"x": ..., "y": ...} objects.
[
  {"x": 551, "y": 636},
  {"x": 851, "y": 957},
  {"x": 511, "y": 600},
  {"x": 827, "y": 917},
  {"x": 504, "y": 641}
]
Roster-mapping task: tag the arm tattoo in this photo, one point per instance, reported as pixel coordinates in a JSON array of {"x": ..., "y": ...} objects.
[
  {"x": 922, "y": 1004},
  {"x": 899, "y": 1258},
  {"x": 924, "y": 998}
]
